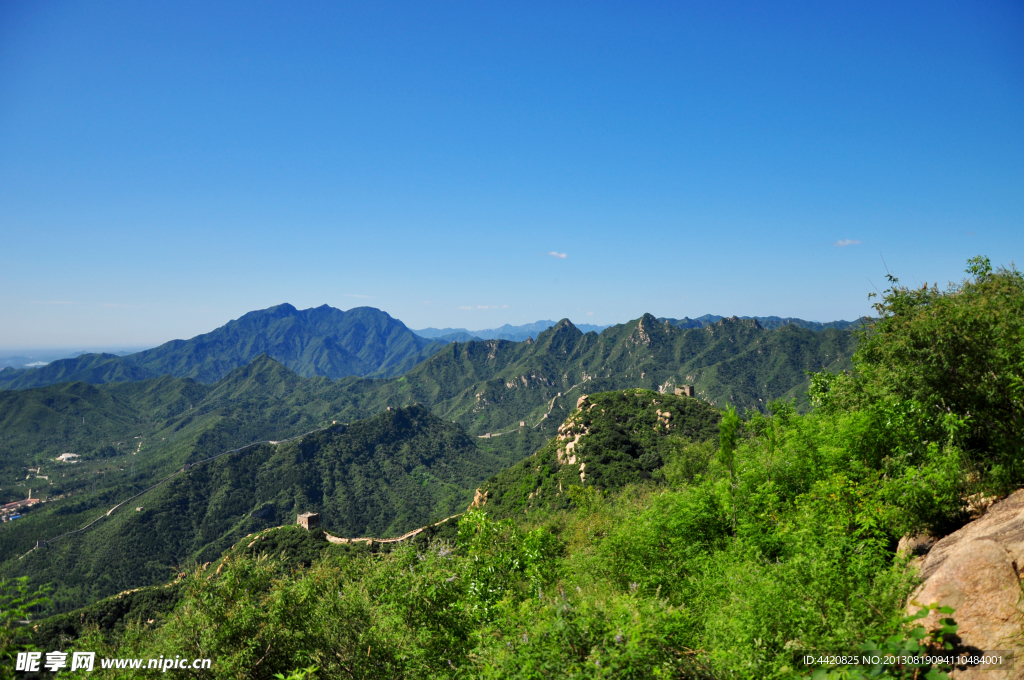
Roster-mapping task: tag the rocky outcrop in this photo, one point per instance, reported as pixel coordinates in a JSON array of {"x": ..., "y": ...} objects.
[
  {"x": 977, "y": 571},
  {"x": 479, "y": 500}
]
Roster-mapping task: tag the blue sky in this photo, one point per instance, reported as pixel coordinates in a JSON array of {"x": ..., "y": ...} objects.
[{"x": 165, "y": 167}]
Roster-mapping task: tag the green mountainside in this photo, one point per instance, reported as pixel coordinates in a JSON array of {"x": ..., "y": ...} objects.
[
  {"x": 153, "y": 425},
  {"x": 90, "y": 368},
  {"x": 376, "y": 477},
  {"x": 491, "y": 385},
  {"x": 403, "y": 468},
  {"x": 610, "y": 440},
  {"x": 320, "y": 341}
]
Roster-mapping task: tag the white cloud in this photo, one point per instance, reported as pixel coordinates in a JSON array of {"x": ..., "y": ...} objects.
[
  {"x": 846, "y": 242},
  {"x": 590, "y": 314},
  {"x": 557, "y": 254},
  {"x": 52, "y": 302},
  {"x": 465, "y": 308}
]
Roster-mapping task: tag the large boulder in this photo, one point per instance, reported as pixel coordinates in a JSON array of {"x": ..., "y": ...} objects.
[{"x": 977, "y": 571}]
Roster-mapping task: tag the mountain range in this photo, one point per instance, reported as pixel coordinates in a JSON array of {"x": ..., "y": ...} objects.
[
  {"x": 318, "y": 341},
  {"x": 530, "y": 330},
  {"x": 770, "y": 322},
  {"x": 486, "y": 386},
  {"x": 321, "y": 341}
]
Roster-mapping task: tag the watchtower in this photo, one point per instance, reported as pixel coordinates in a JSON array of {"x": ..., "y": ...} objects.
[
  {"x": 308, "y": 520},
  {"x": 685, "y": 390}
]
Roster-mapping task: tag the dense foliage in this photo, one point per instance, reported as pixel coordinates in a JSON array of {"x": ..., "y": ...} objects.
[{"x": 939, "y": 384}]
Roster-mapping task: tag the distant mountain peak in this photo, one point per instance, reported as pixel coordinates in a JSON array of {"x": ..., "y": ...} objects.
[
  {"x": 561, "y": 329},
  {"x": 285, "y": 308},
  {"x": 739, "y": 321}
]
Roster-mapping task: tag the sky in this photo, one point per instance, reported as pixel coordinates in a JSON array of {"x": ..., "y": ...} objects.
[{"x": 166, "y": 167}]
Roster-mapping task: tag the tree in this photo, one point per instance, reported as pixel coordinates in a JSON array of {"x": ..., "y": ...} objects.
[
  {"x": 956, "y": 357},
  {"x": 728, "y": 434}
]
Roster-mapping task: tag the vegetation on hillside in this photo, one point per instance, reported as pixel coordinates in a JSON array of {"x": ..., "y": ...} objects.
[
  {"x": 378, "y": 477},
  {"x": 611, "y": 440},
  {"x": 736, "y": 559}
]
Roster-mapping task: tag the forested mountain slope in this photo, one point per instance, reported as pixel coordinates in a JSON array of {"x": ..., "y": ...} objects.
[
  {"x": 516, "y": 392},
  {"x": 319, "y": 341},
  {"x": 153, "y": 424},
  {"x": 376, "y": 477},
  {"x": 493, "y": 384},
  {"x": 380, "y": 476},
  {"x": 91, "y": 368},
  {"x": 610, "y": 440},
  {"x": 486, "y": 386}
]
